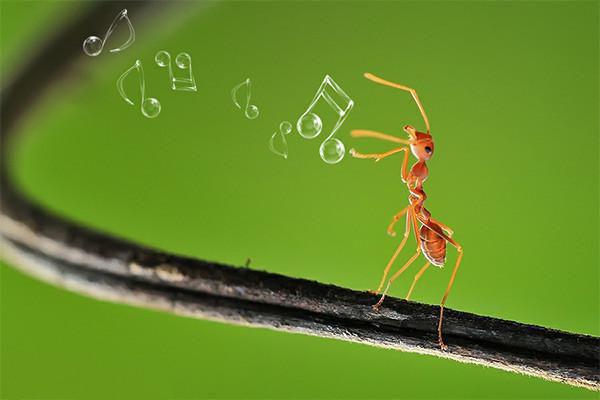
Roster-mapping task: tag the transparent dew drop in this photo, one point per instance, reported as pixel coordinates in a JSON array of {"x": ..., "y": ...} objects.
[
  {"x": 309, "y": 125},
  {"x": 332, "y": 151},
  {"x": 285, "y": 127},
  {"x": 162, "y": 58},
  {"x": 278, "y": 145},
  {"x": 252, "y": 111},
  {"x": 183, "y": 60},
  {"x": 92, "y": 46},
  {"x": 151, "y": 107}
]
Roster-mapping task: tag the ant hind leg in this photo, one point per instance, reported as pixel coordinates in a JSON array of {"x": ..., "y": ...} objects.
[{"x": 456, "y": 265}]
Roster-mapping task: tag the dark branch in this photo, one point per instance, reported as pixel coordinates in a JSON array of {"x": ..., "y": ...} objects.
[{"x": 78, "y": 258}]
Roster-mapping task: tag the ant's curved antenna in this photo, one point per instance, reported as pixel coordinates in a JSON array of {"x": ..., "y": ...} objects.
[{"x": 413, "y": 92}]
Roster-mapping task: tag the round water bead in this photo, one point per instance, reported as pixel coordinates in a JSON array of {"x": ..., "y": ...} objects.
[
  {"x": 309, "y": 125},
  {"x": 252, "y": 111},
  {"x": 151, "y": 107},
  {"x": 332, "y": 151},
  {"x": 183, "y": 60},
  {"x": 285, "y": 127},
  {"x": 162, "y": 58},
  {"x": 92, "y": 46}
]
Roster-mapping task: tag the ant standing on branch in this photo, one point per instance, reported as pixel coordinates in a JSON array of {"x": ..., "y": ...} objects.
[{"x": 430, "y": 234}]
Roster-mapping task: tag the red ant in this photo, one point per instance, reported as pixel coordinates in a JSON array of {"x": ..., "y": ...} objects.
[{"x": 432, "y": 235}]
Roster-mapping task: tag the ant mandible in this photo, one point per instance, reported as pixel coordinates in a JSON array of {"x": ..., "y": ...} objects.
[{"x": 431, "y": 235}]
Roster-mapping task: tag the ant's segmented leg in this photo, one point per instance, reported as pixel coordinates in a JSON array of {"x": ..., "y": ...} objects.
[
  {"x": 415, "y": 223},
  {"x": 377, "y": 156},
  {"x": 446, "y": 228},
  {"x": 456, "y": 265},
  {"x": 398, "y": 250},
  {"x": 396, "y": 275},
  {"x": 417, "y": 277},
  {"x": 412, "y": 91},
  {"x": 395, "y": 219},
  {"x": 381, "y": 156},
  {"x": 430, "y": 224}
]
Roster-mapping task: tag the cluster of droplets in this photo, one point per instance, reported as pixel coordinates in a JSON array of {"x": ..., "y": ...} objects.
[
  {"x": 183, "y": 61},
  {"x": 309, "y": 126}
]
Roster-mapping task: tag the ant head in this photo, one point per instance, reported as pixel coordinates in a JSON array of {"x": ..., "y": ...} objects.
[{"x": 421, "y": 144}]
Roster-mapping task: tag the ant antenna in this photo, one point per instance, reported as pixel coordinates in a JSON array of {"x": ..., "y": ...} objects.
[{"x": 413, "y": 92}]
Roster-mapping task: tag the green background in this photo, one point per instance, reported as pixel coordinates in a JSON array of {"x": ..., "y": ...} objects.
[{"x": 511, "y": 90}]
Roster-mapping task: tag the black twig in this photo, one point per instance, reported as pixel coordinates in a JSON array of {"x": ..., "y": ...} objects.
[{"x": 66, "y": 254}]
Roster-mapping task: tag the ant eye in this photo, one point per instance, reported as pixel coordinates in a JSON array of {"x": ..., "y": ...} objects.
[{"x": 428, "y": 149}]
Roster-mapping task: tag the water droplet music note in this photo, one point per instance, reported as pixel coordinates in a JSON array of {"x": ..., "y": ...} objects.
[
  {"x": 93, "y": 45},
  {"x": 278, "y": 143},
  {"x": 250, "y": 110},
  {"x": 183, "y": 62},
  {"x": 150, "y": 106},
  {"x": 310, "y": 125}
]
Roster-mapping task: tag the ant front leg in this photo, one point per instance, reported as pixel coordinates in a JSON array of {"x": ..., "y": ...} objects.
[
  {"x": 398, "y": 250},
  {"x": 381, "y": 156},
  {"x": 377, "y": 156}
]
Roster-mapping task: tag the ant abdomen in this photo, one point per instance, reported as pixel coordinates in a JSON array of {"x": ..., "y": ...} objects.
[{"x": 433, "y": 244}]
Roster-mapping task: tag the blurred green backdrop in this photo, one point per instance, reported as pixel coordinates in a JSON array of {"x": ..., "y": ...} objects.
[{"x": 511, "y": 90}]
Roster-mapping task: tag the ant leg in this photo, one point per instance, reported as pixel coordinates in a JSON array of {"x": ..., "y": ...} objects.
[
  {"x": 398, "y": 250},
  {"x": 417, "y": 276},
  {"x": 381, "y": 156},
  {"x": 396, "y": 218},
  {"x": 459, "y": 248},
  {"x": 377, "y": 156},
  {"x": 396, "y": 275},
  {"x": 415, "y": 223},
  {"x": 413, "y": 92},
  {"x": 447, "y": 229},
  {"x": 458, "y": 260}
]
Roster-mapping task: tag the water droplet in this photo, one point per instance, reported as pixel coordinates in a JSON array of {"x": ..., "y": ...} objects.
[
  {"x": 92, "y": 46},
  {"x": 183, "y": 60},
  {"x": 332, "y": 151},
  {"x": 252, "y": 111},
  {"x": 162, "y": 58},
  {"x": 151, "y": 107},
  {"x": 285, "y": 127},
  {"x": 309, "y": 125},
  {"x": 278, "y": 143}
]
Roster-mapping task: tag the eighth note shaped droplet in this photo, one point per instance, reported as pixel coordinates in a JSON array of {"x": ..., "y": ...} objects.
[
  {"x": 93, "y": 45},
  {"x": 278, "y": 143},
  {"x": 310, "y": 125},
  {"x": 250, "y": 110},
  {"x": 183, "y": 62},
  {"x": 150, "y": 106}
]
